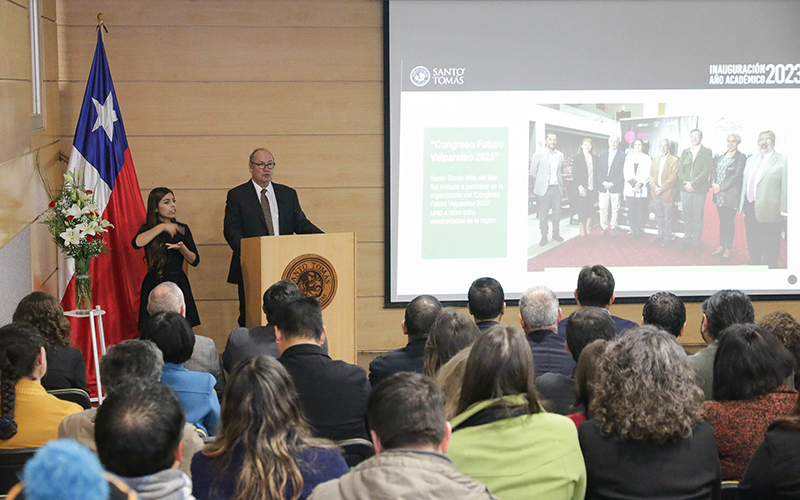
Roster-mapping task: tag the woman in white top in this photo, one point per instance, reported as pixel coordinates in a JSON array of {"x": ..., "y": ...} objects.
[{"x": 637, "y": 174}]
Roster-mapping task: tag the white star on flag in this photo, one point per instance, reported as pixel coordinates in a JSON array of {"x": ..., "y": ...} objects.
[{"x": 106, "y": 116}]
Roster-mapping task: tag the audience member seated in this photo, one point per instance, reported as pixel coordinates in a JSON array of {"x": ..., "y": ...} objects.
[
  {"x": 774, "y": 469},
  {"x": 583, "y": 327},
  {"x": 749, "y": 371},
  {"x": 502, "y": 436},
  {"x": 665, "y": 310},
  {"x": 129, "y": 360},
  {"x": 785, "y": 327},
  {"x": 29, "y": 417},
  {"x": 65, "y": 366},
  {"x": 586, "y": 378},
  {"x": 245, "y": 343},
  {"x": 174, "y": 337},
  {"x": 596, "y": 289},
  {"x": 333, "y": 393},
  {"x": 539, "y": 315},
  {"x": 64, "y": 469},
  {"x": 721, "y": 310},
  {"x": 265, "y": 448},
  {"x": 486, "y": 302},
  {"x": 410, "y": 433},
  {"x": 451, "y": 332},
  {"x": 449, "y": 378},
  {"x": 646, "y": 438},
  {"x": 419, "y": 317},
  {"x": 138, "y": 434},
  {"x": 168, "y": 296}
]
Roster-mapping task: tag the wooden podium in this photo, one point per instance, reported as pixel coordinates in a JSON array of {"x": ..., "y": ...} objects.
[{"x": 322, "y": 265}]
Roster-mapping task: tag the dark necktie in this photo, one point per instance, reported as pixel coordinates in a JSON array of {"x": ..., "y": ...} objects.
[{"x": 267, "y": 212}]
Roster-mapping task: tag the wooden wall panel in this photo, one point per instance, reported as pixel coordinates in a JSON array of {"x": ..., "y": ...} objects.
[
  {"x": 241, "y": 108},
  {"x": 15, "y": 42},
  {"x": 214, "y": 54},
  {"x": 231, "y": 13},
  {"x": 15, "y": 122},
  {"x": 51, "y": 132},
  {"x": 304, "y": 161}
]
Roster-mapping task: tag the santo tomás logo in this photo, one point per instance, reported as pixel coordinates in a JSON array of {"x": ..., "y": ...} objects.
[
  {"x": 420, "y": 76},
  {"x": 314, "y": 276}
]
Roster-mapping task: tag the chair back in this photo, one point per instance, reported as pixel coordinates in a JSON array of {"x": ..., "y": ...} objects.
[
  {"x": 356, "y": 450},
  {"x": 77, "y": 396},
  {"x": 11, "y": 463},
  {"x": 730, "y": 490}
]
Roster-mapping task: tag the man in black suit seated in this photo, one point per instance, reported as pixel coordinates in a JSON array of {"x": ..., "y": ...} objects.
[
  {"x": 666, "y": 311},
  {"x": 486, "y": 302},
  {"x": 260, "y": 207},
  {"x": 596, "y": 289},
  {"x": 420, "y": 315},
  {"x": 539, "y": 315},
  {"x": 583, "y": 327},
  {"x": 245, "y": 343},
  {"x": 333, "y": 393}
]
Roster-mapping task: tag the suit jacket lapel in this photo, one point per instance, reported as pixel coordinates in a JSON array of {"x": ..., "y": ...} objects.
[
  {"x": 770, "y": 163},
  {"x": 255, "y": 204}
]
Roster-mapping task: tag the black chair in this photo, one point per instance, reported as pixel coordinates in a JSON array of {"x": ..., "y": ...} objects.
[
  {"x": 730, "y": 490},
  {"x": 11, "y": 463},
  {"x": 77, "y": 396},
  {"x": 356, "y": 450}
]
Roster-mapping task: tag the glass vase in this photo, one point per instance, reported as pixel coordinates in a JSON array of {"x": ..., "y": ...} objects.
[{"x": 83, "y": 285}]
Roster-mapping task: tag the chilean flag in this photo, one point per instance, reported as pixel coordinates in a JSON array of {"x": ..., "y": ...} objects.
[{"x": 101, "y": 156}]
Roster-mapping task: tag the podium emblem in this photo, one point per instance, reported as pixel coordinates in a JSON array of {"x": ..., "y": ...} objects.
[{"x": 314, "y": 276}]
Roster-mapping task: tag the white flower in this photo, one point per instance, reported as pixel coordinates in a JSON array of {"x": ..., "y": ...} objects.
[
  {"x": 71, "y": 236},
  {"x": 84, "y": 228},
  {"x": 76, "y": 211}
]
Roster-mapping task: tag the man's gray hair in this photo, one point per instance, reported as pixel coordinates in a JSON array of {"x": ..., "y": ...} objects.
[
  {"x": 130, "y": 359},
  {"x": 538, "y": 307},
  {"x": 166, "y": 297}
]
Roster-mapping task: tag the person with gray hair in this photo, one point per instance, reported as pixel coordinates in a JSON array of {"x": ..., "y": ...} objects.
[
  {"x": 539, "y": 315},
  {"x": 168, "y": 297},
  {"x": 726, "y": 184},
  {"x": 126, "y": 361}
]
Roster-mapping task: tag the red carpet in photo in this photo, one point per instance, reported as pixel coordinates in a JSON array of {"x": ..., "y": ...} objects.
[{"x": 620, "y": 250}]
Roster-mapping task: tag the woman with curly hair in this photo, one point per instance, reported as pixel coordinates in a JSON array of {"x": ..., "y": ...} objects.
[
  {"x": 750, "y": 370},
  {"x": 167, "y": 244},
  {"x": 501, "y": 436},
  {"x": 65, "y": 366},
  {"x": 646, "y": 437},
  {"x": 29, "y": 417},
  {"x": 785, "y": 327},
  {"x": 265, "y": 449},
  {"x": 451, "y": 332}
]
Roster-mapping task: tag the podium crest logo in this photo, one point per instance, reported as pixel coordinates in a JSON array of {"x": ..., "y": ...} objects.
[
  {"x": 314, "y": 275},
  {"x": 420, "y": 76}
]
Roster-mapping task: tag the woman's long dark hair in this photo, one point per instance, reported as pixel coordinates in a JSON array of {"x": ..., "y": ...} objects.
[
  {"x": 20, "y": 344},
  {"x": 43, "y": 311},
  {"x": 155, "y": 252},
  {"x": 262, "y": 418}
]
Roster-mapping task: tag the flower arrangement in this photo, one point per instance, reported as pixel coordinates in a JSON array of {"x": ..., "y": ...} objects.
[{"x": 76, "y": 226}]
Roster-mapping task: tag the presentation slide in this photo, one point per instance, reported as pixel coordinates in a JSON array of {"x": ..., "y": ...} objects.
[{"x": 530, "y": 138}]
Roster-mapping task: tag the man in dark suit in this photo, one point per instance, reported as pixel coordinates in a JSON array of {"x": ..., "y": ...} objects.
[
  {"x": 420, "y": 315},
  {"x": 694, "y": 173},
  {"x": 333, "y": 393},
  {"x": 486, "y": 302},
  {"x": 609, "y": 180},
  {"x": 763, "y": 201},
  {"x": 596, "y": 289},
  {"x": 539, "y": 315},
  {"x": 260, "y": 207}
]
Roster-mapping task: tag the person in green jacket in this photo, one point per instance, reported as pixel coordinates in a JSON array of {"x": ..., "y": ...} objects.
[{"x": 502, "y": 436}]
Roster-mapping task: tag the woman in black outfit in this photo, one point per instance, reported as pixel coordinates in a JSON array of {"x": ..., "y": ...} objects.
[
  {"x": 583, "y": 173},
  {"x": 726, "y": 183},
  {"x": 66, "y": 368},
  {"x": 167, "y": 243}
]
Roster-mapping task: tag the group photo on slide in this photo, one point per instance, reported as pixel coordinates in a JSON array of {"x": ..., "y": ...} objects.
[{"x": 657, "y": 191}]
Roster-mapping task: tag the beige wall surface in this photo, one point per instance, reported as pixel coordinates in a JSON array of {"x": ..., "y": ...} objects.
[
  {"x": 28, "y": 158},
  {"x": 202, "y": 82}
]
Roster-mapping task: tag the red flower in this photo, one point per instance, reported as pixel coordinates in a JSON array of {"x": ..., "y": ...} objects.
[
  {"x": 52, "y": 204},
  {"x": 88, "y": 191},
  {"x": 70, "y": 217},
  {"x": 89, "y": 238}
]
